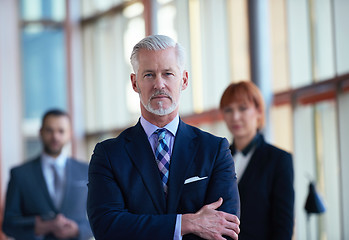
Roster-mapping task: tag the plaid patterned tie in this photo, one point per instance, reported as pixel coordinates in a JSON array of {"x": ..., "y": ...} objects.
[{"x": 163, "y": 157}]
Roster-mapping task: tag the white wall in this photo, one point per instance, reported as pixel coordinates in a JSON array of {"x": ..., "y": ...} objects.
[{"x": 10, "y": 91}]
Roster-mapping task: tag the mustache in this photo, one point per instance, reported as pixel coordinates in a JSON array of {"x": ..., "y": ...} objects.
[{"x": 160, "y": 92}]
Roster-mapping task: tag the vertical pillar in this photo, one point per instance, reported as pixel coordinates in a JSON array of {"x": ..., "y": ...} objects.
[
  {"x": 260, "y": 49},
  {"x": 11, "y": 139},
  {"x": 150, "y": 15},
  {"x": 75, "y": 84},
  {"x": 69, "y": 77}
]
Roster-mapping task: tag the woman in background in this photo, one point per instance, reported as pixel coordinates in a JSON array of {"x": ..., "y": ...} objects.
[{"x": 265, "y": 172}]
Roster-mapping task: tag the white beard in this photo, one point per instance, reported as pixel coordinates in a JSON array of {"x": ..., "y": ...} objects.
[{"x": 161, "y": 111}]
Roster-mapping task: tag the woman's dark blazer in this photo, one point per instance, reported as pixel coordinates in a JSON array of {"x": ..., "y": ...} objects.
[{"x": 267, "y": 194}]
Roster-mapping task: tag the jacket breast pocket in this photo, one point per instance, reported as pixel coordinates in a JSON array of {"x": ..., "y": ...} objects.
[{"x": 193, "y": 195}]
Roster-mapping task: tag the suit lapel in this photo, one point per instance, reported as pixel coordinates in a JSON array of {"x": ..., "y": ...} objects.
[
  {"x": 41, "y": 182},
  {"x": 139, "y": 149},
  {"x": 252, "y": 167},
  {"x": 183, "y": 153}
]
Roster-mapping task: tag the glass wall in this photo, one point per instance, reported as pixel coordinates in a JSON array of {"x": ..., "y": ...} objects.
[
  {"x": 219, "y": 49},
  {"x": 110, "y": 100},
  {"x": 343, "y": 116},
  {"x": 279, "y": 43},
  {"x": 43, "y": 64},
  {"x": 316, "y": 159},
  {"x": 211, "y": 50},
  {"x": 304, "y": 168},
  {"x": 341, "y": 18},
  {"x": 91, "y": 7},
  {"x": 323, "y": 40},
  {"x": 42, "y": 9},
  {"x": 328, "y": 168},
  {"x": 282, "y": 130},
  {"x": 299, "y": 43},
  {"x": 44, "y": 77},
  {"x": 312, "y": 39}
]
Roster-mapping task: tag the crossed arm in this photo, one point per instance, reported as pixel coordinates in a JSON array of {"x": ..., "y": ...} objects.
[
  {"x": 124, "y": 210},
  {"x": 208, "y": 223}
]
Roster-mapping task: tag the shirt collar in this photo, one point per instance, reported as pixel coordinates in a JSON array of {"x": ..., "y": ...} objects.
[
  {"x": 254, "y": 142},
  {"x": 150, "y": 128},
  {"x": 59, "y": 161}
]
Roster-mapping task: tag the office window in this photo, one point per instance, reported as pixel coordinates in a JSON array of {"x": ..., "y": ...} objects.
[
  {"x": 279, "y": 43},
  {"x": 305, "y": 168},
  {"x": 43, "y": 56},
  {"x": 42, "y": 9},
  {"x": 109, "y": 34},
  {"x": 328, "y": 179},
  {"x": 110, "y": 99},
  {"x": 299, "y": 40},
  {"x": 166, "y": 21},
  {"x": 341, "y": 16},
  {"x": 43, "y": 65},
  {"x": 90, "y": 7},
  {"x": 43, "y": 70},
  {"x": 282, "y": 127},
  {"x": 316, "y": 51},
  {"x": 343, "y": 115},
  {"x": 134, "y": 32},
  {"x": 212, "y": 40},
  {"x": 323, "y": 43},
  {"x": 214, "y": 51},
  {"x": 238, "y": 40}
]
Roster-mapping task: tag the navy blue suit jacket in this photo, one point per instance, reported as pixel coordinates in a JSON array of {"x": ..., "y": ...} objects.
[
  {"x": 27, "y": 196},
  {"x": 267, "y": 195},
  {"x": 125, "y": 193}
]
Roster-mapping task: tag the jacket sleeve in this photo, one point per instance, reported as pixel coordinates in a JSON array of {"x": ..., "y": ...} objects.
[
  {"x": 107, "y": 210},
  {"x": 283, "y": 198},
  {"x": 223, "y": 181},
  {"x": 85, "y": 232},
  {"x": 15, "y": 224}
]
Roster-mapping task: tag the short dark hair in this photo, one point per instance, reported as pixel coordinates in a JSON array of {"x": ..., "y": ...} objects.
[{"x": 54, "y": 112}]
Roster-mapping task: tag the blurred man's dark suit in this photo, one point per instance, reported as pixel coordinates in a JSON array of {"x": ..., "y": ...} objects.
[{"x": 28, "y": 196}]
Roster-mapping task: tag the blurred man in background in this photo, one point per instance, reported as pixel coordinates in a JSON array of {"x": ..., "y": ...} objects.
[{"x": 46, "y": 197}]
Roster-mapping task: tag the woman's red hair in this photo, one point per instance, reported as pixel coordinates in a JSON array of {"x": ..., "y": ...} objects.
[{"x": 247, "y": 92}]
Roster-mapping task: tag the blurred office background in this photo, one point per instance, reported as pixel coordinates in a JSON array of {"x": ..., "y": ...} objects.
[{"x": 74, "y": 54}]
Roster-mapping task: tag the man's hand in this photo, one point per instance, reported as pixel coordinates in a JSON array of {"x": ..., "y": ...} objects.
[
  {"x": 60, "y": 226},
  {"x": 43, "y": 227},
  {"x": 208, "y": 223},
  {"x": 64, "y": 227}
]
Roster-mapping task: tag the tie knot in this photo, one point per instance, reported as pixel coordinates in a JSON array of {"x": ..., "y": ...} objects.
[
  {"x": 54, "y": 166},
  {"x": 161, "y": 133}
]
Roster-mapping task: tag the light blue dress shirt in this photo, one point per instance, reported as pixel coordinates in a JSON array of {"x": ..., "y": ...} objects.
[{"x": 59, "y": 162}]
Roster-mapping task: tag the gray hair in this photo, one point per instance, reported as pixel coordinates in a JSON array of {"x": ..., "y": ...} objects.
[{"x": 154, "y": 43}]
